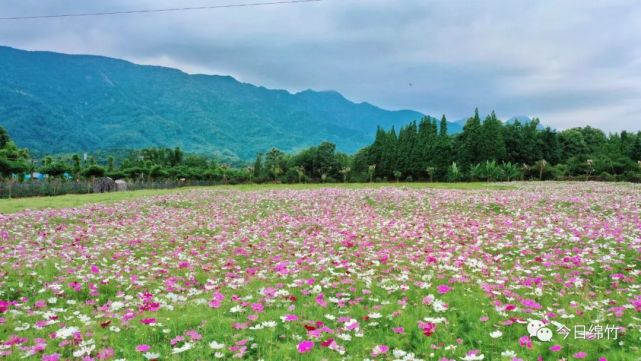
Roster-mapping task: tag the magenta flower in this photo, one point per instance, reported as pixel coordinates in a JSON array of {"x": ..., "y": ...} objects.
[
  {"x": 320, "y": 300},
  {"x": 148, "y": 321},
  {"x": 531, "y": 304},
  {"x": 289, "y": 318},
  {"x": 51, "y": 357},
  {"x": 443, "y": 289},
  {"x": 580, "y": 355},
  {"x": 555, "y": 348},
  {"x": 4, "y": 306},
  {"x": 427, "y": 327},
  {"x": 525, "y": 341},
  {"x": 217, "y": 300},
  {"x": 143, "y": 348},
  {"x": 257, "y": 307},
  {"x": 305, "y": 346}
]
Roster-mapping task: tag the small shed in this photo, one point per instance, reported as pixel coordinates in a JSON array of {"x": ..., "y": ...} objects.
[
  {"x": 103, "y": 185},
  {"x": 121, "y": 185}
]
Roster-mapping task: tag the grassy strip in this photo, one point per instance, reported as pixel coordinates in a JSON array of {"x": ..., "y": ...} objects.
[{"x": 76, "y": 200}]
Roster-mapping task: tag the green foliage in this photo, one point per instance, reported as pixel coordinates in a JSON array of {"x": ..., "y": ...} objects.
[
  {"x": 491, "y": 150},
  {"x": 94, "y": 171}
]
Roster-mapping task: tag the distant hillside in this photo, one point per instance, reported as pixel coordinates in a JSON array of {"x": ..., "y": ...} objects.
[{"x": 57, "y": 103}]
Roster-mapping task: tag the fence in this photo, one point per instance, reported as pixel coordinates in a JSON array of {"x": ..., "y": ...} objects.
[{"x": 59, "y": 187}]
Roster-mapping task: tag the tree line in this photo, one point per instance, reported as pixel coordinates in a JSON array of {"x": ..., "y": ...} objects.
[
  {"x": 489, "y": 149},
  {"x": 486, "y": 150}
]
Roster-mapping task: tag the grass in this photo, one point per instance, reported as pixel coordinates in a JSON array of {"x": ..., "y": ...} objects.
[{"x": 76, "y": 200}]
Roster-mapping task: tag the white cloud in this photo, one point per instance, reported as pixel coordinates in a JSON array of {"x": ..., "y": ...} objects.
[{"x": 572, "y": 63}]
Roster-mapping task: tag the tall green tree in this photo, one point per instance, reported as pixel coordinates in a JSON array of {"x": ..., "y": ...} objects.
[
  {"x": 492, "y": 144},
  {"x": 470, "y": 142}
]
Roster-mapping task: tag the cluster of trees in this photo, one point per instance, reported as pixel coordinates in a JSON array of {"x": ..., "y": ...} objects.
[
  {"x": 491, "y": 150},
  {"x": 316, "y": 164},
  {"x": 145, "y": 165},
  {"x": 486, "y": 149},
  {"x": 13, "y": 160}
]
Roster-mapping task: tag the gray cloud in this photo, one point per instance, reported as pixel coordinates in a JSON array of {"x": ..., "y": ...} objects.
[{"x": 572, "y": 63}]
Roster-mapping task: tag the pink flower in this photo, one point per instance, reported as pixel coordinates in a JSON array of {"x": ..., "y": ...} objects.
[
  {"x": 399, "y": 330},
  {"x": 427, "y": 300},
  {"x": 95, "y": 269},
  {"x": 143, "y": 348},
  {"x": 531, "y": 304},
  {"x": 52, "y": 357},
  {"x": 555, "y": 348},
  {"x": 257, "y": 307},
  {"x": 305, "y": 346},
  {"x": 106, "y": 353},
  {"x": 525, "y": 341},
  {"x": 217, "y": 300},
  {"x": 427, "y": 327},
  {"x": 176, "y": 339},
  {"x": 194, "y": 335},
  {"x": 320, "y": 299},
  {"x": 443, "y": 289},
  {"x": 4, "y": 306},
  {"x": 379, "y": 350},
  {"x": 289, "y": 318},
  {"x": 580, "y": 355},
  {"x": 148, "y": 321}
]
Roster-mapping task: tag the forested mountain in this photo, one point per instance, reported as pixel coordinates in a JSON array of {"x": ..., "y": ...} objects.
[{"x": 57, "y": 103}]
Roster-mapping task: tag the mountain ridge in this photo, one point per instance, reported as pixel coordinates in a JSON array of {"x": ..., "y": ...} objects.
[{"x": 54, "y": 103}]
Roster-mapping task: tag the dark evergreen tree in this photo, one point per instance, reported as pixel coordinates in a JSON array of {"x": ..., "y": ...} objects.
[
  {"x": 470, "y": 141},
  {"x": 492, "y": 144},
  {"x": 635, "y": 150},
  {"x": 258, "y": 166}
]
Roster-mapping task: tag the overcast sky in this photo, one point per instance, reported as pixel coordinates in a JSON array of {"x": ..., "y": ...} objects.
[{"x": 571, "y": 63}]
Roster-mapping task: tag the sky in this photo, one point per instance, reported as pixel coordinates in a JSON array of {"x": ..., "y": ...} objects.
[{"x": 570, "y": 63}]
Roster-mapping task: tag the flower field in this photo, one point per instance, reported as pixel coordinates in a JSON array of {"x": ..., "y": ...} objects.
[{"x": 328, "y": 274}]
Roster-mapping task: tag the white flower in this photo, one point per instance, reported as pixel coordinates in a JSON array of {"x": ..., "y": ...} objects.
[
  {"x": 496, "y": 334},
  {"x": 23, "y": 327},
  {"x": 216, "y": 346},
  {"x": 151, "y": 355},
  {"x": 374, "y": 315},
  {"x": 508, "y": 354},
  {"x": 435, "y": 319},
  {"x": 84, "y": 350},
  {"x": 219, "y": 355},
  {"x": 66, "y": 332},
  {"x": 187, "y": 346},
  {"x": 472, "y": 357},
  {"x": 115, "y": 306},
  {"x": 237, "y": 309},
  {"x": 439, "y": 306}
]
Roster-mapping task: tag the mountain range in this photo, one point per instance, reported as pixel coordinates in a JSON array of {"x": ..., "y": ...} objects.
[{"x": 58, "y": 103}]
